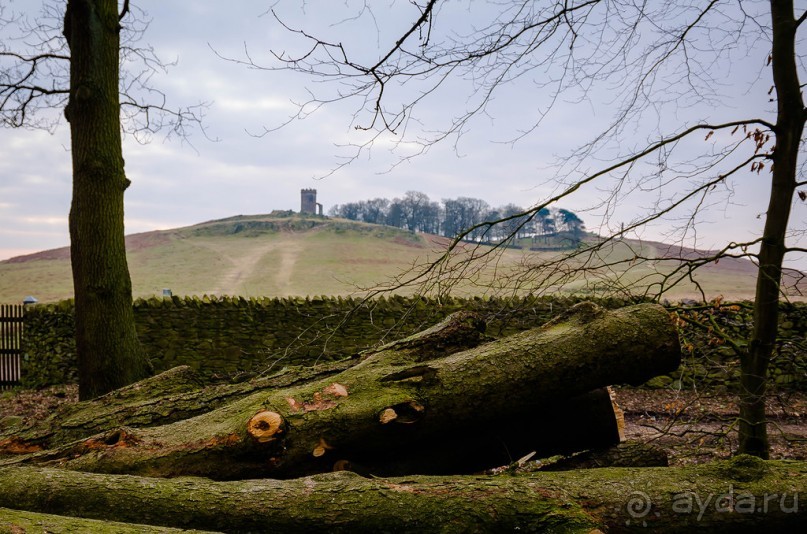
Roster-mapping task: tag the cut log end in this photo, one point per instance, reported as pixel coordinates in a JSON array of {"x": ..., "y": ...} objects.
[{"x": 264, "y": 426}]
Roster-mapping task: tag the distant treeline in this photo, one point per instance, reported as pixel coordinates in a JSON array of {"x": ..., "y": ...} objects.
[{"x": 451, "y": 216}]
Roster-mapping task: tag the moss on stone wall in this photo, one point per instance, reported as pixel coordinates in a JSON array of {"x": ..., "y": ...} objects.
[{"x": 221, "y": 337}]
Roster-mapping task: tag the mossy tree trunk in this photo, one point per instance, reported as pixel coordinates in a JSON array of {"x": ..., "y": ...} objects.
[
  {"x": 744, "y": 494},
  {"x": 406, "y": 408},
  {"x": 109, "y": 353}
]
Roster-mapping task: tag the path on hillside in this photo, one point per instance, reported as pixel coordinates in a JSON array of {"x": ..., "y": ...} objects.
[
  {"x": 289, "y": 253},
  {"x": 243, "y": 266}
]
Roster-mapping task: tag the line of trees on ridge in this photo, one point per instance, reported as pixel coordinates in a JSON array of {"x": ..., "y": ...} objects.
[{"x": 416, "y": 212}]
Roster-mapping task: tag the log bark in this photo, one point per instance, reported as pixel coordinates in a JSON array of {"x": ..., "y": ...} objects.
[
  {"x": 744, "y": 494},
  {"x": 396, "y": 402}
]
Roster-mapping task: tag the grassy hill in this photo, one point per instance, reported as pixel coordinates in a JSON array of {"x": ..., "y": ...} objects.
[{"x": 281, "y": 255}]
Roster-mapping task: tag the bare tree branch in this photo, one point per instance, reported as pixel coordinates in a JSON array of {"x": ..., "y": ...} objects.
[
  {"x": 124, "y": 10},
  {"x": 34, "y": 78}
]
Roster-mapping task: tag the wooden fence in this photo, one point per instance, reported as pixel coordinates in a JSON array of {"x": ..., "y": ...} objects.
[{"x": 11, "y": 322}]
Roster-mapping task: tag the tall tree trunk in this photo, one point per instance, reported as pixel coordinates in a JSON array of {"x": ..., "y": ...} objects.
[
  {"x": 109, "y": 353},
  {"x": 789, "y": 125}
]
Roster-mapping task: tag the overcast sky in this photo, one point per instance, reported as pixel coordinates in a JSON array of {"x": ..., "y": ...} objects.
[{"x": 229, "y": 172}]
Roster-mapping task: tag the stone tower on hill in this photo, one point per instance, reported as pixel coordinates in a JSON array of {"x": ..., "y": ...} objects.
[{"x": 308, "y": 202}]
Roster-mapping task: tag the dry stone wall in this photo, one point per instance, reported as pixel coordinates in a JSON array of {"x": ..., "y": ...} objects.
[{"x": 224, "y": 338}]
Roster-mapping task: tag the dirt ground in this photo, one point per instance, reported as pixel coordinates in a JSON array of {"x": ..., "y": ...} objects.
[
  {"x": 691, "y": 426},
  {"x": 698, "y": 426}
]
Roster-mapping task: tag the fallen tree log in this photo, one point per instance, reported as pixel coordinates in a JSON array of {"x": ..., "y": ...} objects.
[
  {"x": 179, "y": 393},
  {"x": 744, "y": 494},
  {"x": 395, "y": 402}
]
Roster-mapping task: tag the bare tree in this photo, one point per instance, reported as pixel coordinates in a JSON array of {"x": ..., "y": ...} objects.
[
  {"x": 650, "y": 60},
  {"x": 73, "y": 63}
]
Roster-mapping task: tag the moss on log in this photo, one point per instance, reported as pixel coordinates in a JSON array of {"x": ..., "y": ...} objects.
[
  {"x": 744, "y": 494},
  {"x": 459, "y": 331},
  {"x": 20, "y": 522},
  {"x": 389, "y": 405}
]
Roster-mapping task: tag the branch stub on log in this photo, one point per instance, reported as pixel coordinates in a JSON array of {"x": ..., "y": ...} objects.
[
  {"x": 405, "y": 413},
  {"x": 387, "y": 416},
  {"x": 321, "y": 448}
]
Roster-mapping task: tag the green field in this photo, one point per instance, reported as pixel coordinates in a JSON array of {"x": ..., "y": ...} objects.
[{"x": 267, "y": 255}]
